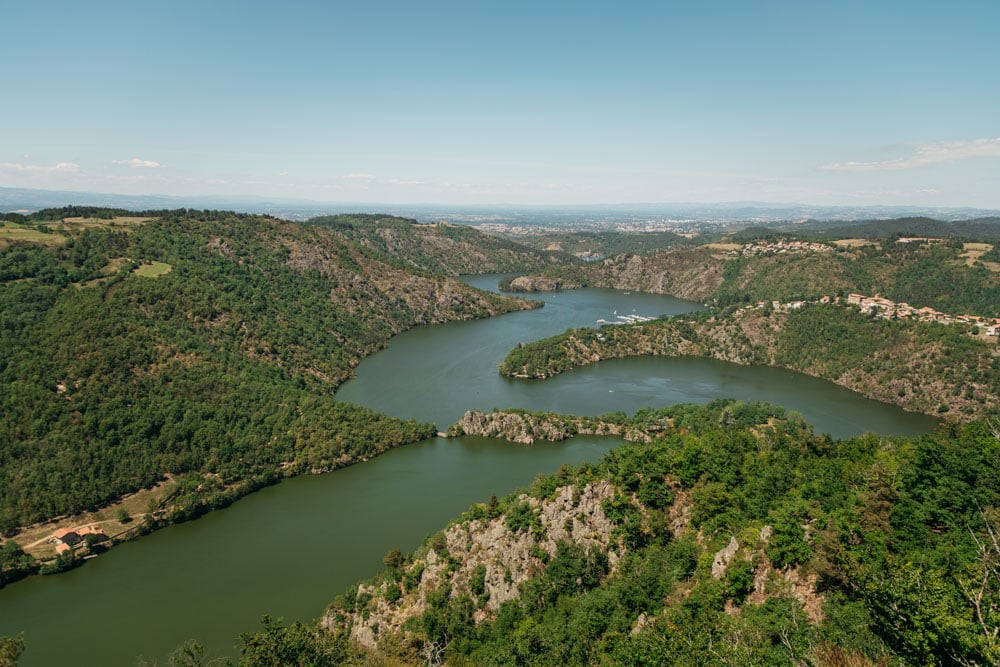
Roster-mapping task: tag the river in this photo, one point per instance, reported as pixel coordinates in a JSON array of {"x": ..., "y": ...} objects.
[{"x": 289, "y": 549}]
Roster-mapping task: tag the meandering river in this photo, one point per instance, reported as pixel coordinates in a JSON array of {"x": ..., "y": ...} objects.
[{"x": 289, "y": 549}]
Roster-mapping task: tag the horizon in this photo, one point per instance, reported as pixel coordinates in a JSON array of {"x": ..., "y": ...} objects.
[
  {"x": 26, "y": 200},
  {"x": 554, "y": 106}
]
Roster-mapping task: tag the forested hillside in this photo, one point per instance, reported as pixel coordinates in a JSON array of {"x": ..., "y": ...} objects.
[
  {"x": 601, "y": 244},
  {"x": 438, "y": 247},
  {"x": 986, "y": 229},
  {"x": 942, "y": 275},
  {"x": 201, "y": 345},
  {"x": 736, "y": 536},
  {"x": 921, "y": 366}
]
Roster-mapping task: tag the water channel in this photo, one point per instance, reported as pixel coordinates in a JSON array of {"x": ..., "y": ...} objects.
[{"x": 289, "y": 549}]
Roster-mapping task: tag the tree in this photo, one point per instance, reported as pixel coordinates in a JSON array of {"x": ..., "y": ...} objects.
[
  {"x": 14, "y": 563},
  {"x": 394, "y": 559},
  {"x": 297, "y": 644},
  {"x": 11, "y": 649}
]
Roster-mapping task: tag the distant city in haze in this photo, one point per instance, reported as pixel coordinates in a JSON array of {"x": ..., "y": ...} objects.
[{"x": 512, "y": 219}]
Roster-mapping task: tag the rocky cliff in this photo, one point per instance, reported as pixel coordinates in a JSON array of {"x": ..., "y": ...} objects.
[
  {"x": 485, "y": 559},
  {"x": 612, "y": 530},
  {"x": 687, "y": 274},
  {"x": 526, "y": 427},
  {"x": 540, "y": 284}
]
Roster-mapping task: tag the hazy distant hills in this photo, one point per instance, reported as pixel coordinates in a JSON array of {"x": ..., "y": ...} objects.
[
  {"x": 978, "y": 228},
  {"x": 21, "y": 199}
]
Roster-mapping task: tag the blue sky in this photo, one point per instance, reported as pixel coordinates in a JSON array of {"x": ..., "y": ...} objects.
[{"x": 506, "y": 102}]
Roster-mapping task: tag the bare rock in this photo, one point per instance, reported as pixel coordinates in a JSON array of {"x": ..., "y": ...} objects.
[{"x": 722, "y": 558}]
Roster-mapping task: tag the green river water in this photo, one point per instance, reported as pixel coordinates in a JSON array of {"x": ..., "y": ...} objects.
[{"x": 289, "y": 549}]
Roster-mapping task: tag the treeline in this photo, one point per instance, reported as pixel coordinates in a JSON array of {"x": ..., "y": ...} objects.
[
  {"x": 223, "y": 368},
  {"x": 864, "y": 551},
  {"x": 105, "y": 213},
  {"x": 977, "y": 229}
]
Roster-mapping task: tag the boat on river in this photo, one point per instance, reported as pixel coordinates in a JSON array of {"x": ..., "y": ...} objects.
[{"x": 625, "y": 319}]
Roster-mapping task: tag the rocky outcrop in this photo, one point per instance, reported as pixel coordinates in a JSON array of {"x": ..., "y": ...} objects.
[
  {"x": 687, "y": 274},
  {"x": 513, "y": 426},
  {"x": 528, "y": 427},
  {"x": 540, "y": 284},
  {"x": 484, "y": 559},
  {"x": 722, "y": 558}
]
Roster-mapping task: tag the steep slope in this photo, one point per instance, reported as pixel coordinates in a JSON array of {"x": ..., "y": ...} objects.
[
  {"x": 927, "y": 367},
  {"x": 603, "y": 244},
  {"x": 687, "y": 274},
  {"x": 938, "y": 274},
  {"x": 215, "y": 364},
  {"x": 734, "y": 536},
  {"x": 439, "y": 247}
]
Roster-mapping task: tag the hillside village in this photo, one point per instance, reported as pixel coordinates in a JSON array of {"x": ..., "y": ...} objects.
[
  {"x": 761, "y": 248},
  {"x": 887, "y": 309}
]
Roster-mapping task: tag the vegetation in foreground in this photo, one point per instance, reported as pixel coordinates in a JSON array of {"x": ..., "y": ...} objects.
[{"x": 735, "y": 536}]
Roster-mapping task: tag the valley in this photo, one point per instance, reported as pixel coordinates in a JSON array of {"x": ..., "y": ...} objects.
[{"x": 422, "y": 382}]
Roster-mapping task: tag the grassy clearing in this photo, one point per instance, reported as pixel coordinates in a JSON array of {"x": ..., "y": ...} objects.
[
  {"x": 113, "y": 266},
  {"x": 853, "y": 243},
  {"x": 153, "y": 270},
  {"x": 11, "y": 232},
  {"x": 35, "y": 539},
  {"x": 121, "y": 222},
  {"x": 724, "y": 246},
  {"x": 973, "y": 251}
]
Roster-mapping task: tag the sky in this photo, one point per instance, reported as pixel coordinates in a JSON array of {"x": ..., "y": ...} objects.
[{"x": 584, "y": 102}]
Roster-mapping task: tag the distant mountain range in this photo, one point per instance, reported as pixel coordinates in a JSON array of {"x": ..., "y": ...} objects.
[{"x": 25, "y": 200}]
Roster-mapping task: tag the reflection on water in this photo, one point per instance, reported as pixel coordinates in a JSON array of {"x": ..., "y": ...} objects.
[{"x": 289, "y": 549}]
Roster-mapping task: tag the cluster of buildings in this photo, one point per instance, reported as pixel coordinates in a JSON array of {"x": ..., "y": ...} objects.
[
  {"x": 779, "y": 307},
  {"x": 779, "y": 248},
  {"x": 888, "y": 309},
  {"x": 65, "y": 540}
]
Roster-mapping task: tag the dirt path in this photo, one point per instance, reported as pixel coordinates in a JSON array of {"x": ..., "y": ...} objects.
[{"x": 76, "y": 529}]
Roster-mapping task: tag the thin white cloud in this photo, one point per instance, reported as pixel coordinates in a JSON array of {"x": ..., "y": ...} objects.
[
  {"x": 137, "y": 163},
  {"x": 40, "y": 169},
  {"x": 925, "y": 154},
  {"x": 358, "y": 177}
]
